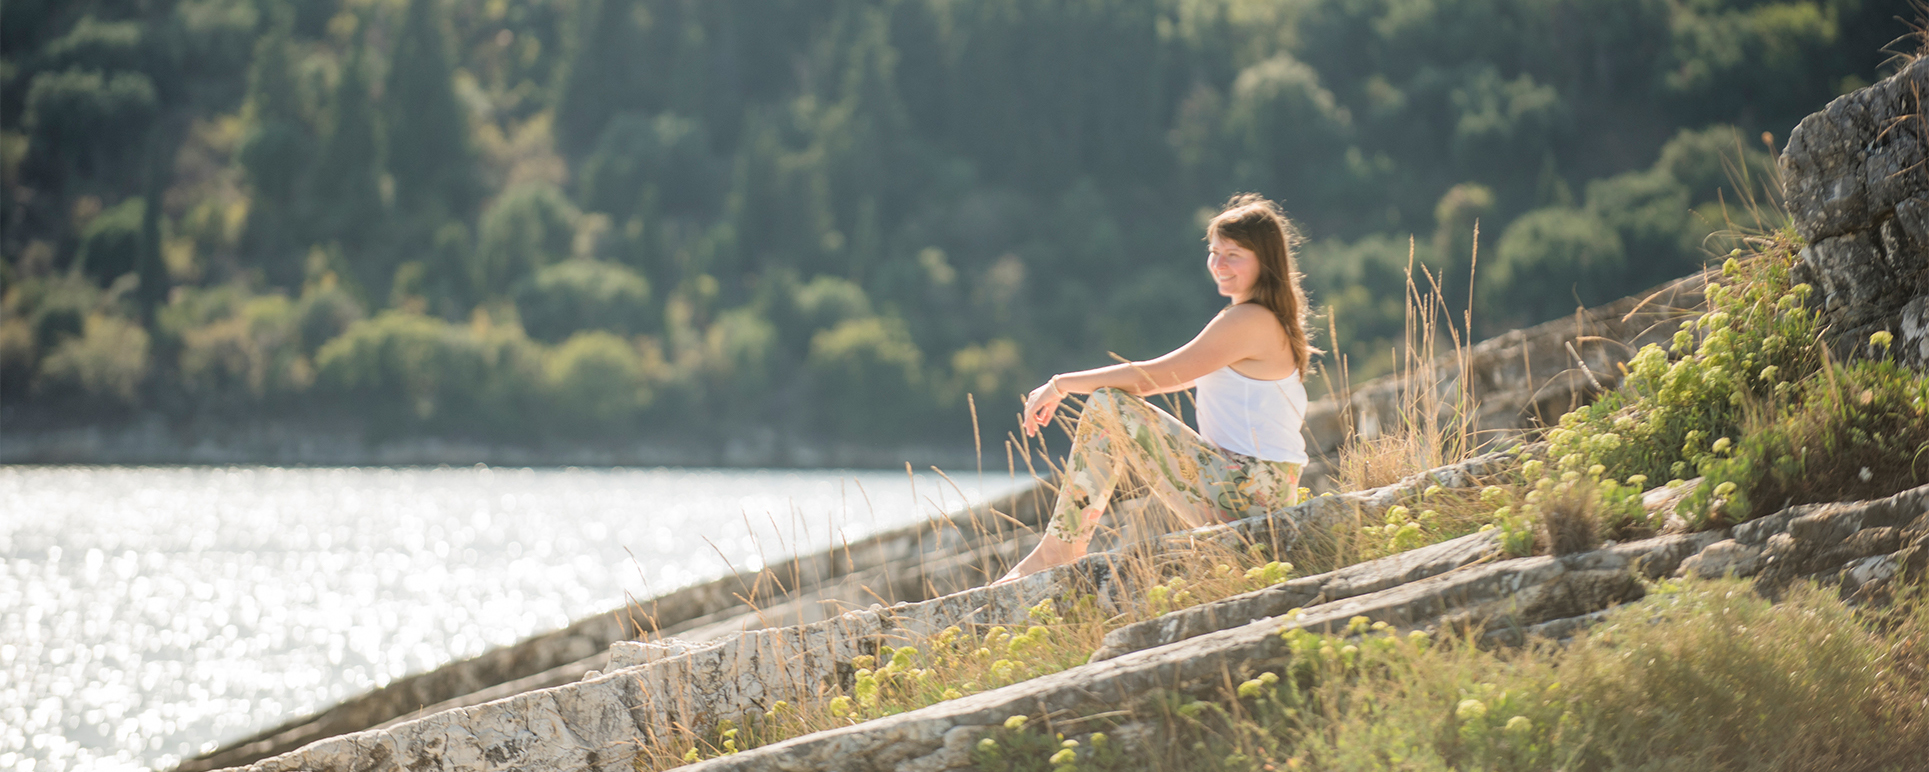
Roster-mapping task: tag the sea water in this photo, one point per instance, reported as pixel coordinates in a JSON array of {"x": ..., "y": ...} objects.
[{"x": 148, "y": 614}]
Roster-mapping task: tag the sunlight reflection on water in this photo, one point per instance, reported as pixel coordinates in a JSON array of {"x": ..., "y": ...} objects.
[{"x": 147, "y": 614}]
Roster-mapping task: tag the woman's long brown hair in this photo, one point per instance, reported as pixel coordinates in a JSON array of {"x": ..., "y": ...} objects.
[{"x": 1257, "y": 224}]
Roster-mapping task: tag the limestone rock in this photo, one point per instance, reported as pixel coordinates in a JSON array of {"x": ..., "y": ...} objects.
[
  {"x": 1524, "y": 591},
  {"x": 1855, "y": 181},
  {"x": 1724, "y": 558},
  {"x": 1281, "y": 598}
]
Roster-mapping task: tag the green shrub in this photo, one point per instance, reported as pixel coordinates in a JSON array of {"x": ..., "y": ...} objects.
[
  {"x": 55, "y": 308},
  {"x": 583, "y": 294},
  {"x": 415, "y": 370},
  {"x": 992, "y": 372},
  {"x": 253, "y": 353},
  {"x": 1756, "y": 342},
  {"x": 528, "y": 227},
  {"x": 596, "y": 383},
  {"x": 1859, "y": 431},
  {"x": 323, "y": 313},
  {"x": 1548, "y": 262},
  {"x": 866, "y": 377},
  {"x": 111, "y": 244},
  {"x": 108, "y": 361}
]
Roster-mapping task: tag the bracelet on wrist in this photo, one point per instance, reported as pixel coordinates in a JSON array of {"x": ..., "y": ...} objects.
[{"x": 1053, "y": 382}]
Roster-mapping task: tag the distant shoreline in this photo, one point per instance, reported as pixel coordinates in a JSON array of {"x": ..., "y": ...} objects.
[{"x": 154, "y": 439}]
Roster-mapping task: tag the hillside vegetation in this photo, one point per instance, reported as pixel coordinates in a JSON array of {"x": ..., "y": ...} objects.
[{"x": 536, "y": 219}]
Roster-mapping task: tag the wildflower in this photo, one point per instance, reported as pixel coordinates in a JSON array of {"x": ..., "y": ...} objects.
[
  {"x": 1470, "y": 710},
  {"x": 1016, "y": 723},
  {"x": 1881, "y": 338},
  {"x": 1519, "y": 725},
  {"x": 1251, "y": 689},
  {"x": 1721, "y": 445}
]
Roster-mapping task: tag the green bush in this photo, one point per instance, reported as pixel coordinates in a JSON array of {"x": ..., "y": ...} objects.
[
  {"x": 111, "y": 244},
  {"x": 55, "y": 308},
  {"x": 867, "y": 379},
  {"x": 1549, "y": 262},
  {"x": 584, "y": 294},
  {"x": 735, "y": 365},
  {"x": 1858, "y": 432},
  {"x": 324, "y": 313},
  {"x": 108, "y": 361},
  {"x": 530, "y": 226},
  {"x": 254, "y": 353},
  {"x": 596, "y": 383},
  {"x": 993, "y": 373},
  {"x": 420, "y": 371}
]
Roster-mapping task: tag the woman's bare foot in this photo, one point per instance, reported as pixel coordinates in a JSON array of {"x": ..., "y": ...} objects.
[{"x": 1052, "y": 551}]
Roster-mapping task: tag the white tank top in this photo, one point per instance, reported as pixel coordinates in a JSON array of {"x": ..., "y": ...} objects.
[{"x": 1257, "y": 418}]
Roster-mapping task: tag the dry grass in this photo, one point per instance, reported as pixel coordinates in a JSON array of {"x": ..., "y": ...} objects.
[{"x": 1701, "y": 675}]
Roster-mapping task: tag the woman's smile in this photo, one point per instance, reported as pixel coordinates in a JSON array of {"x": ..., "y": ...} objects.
[{"x": 1234, "y": 268}]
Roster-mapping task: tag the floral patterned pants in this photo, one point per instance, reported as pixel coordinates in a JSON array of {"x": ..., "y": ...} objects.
[{"x": 1120, "y": 434}]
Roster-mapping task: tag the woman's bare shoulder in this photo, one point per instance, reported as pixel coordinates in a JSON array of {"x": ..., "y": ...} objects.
[{"x": 1247, "y": 317}]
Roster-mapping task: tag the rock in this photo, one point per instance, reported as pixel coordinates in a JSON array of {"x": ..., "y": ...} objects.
[
  {"x": 1822, "y": 175},
  {"x": 1854, "y": 178},
  {"x": 1869, "y": 576},
  {"x": 1724, "y": 558},
  {"x": 1274, "y": 601},
  {"x": 1558, "y": 630},
  {"x": 1814, "y": 539},
  {"x": 1524, "y": 591}
]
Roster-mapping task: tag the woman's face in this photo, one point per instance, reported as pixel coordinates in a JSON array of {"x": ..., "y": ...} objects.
[{"x": 1234, "y": 268}]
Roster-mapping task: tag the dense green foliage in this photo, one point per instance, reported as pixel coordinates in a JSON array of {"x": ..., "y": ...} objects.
[{"x": 524, "y": 218}]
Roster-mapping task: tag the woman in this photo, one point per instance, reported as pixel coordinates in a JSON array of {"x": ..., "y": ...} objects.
[{"x": 1247, "y": 365}]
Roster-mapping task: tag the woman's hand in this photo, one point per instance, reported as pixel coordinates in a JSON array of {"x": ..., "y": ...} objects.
[{"x": 1041, "y": 405}]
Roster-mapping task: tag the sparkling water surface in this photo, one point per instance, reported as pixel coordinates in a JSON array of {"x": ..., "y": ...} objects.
[{"x": 148, "y": 614}]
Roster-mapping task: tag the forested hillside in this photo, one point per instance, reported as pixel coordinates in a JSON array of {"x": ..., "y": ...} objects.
[{"x": 546, "y": 219}]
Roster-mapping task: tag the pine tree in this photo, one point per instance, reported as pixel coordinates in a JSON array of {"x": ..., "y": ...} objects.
[
  {"x": 429, "y": 149},
  {"x": 348, "y": 179},
  {"x": 603, "y": 73},
  {"x": 277, "y": 158}
]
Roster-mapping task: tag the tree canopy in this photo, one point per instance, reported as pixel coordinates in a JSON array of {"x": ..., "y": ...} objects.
[{"x": 605, "y": 218}]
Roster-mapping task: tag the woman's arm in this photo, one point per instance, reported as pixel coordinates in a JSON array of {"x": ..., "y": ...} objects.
[{"x": 1236, "y": 334}]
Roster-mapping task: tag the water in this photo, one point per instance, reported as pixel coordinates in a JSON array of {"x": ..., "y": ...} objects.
[{"x": 150, "y": 614}]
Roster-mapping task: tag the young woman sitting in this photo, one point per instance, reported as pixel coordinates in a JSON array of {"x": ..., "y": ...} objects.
[{"x": 1247, "y": 365}]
